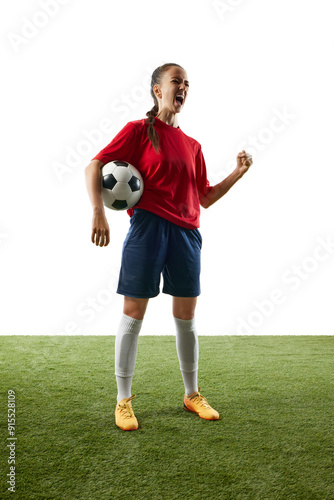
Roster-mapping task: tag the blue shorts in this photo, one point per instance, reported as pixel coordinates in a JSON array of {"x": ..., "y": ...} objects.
[{"x": 153, "y": 246}]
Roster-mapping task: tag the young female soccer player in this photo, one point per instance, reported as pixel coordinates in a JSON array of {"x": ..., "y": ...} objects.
[{"x": 163, "y": 237}]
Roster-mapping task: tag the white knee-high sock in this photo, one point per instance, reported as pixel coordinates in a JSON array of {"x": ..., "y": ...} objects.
[
  {"x": 187, "y": 351},
  {"x": 125, "y": 354}
]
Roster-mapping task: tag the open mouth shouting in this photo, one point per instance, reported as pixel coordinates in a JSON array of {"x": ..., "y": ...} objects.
[{"x": 179, "y": 100}]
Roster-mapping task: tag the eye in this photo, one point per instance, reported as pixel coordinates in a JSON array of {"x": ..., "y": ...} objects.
[{"x": 177, "y": 81}]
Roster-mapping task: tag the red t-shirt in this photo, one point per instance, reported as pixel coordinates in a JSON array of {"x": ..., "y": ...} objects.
[{"x": 174, "y": 179}]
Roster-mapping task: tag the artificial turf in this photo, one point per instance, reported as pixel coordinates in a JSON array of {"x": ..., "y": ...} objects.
[{"x": 274, "y": 439}]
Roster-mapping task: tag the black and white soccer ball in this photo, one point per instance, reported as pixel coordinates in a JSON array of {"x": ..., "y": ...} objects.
[{"x": 122, "y": 185}]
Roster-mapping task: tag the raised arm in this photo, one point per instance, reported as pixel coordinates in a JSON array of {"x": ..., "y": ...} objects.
[
  {"x": 100, "y": 227},
  {"x": 244, "y": 161}
]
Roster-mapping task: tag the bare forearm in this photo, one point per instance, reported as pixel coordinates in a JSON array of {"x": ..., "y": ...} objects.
[
  {"x": 93, "y": 184},
  {"x": 219, "y": 190},
  {"x": 100, "y": 227}
]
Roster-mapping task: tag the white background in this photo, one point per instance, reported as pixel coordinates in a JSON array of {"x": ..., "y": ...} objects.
[{"x": 67, "y": 68}]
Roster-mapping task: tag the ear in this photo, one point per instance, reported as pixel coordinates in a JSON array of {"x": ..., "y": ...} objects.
[{"x": 157, "y": 91}]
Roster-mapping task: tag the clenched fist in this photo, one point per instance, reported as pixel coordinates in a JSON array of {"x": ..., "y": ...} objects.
[{"x": 244, "y": 161}]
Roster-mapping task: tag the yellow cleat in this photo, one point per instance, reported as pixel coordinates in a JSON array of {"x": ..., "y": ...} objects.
[
  {"x": 124, "y": 416},
  {"x": 197, "y": 403}
]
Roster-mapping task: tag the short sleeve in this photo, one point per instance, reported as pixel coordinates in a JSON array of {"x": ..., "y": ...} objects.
[
  {"x": 203, "y": 185},
  {"x": 122, "y": 147}
]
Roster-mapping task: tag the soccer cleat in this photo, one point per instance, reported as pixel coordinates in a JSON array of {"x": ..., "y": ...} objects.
[
  {"x": 197, "y": 403},
  {"x": 124, "y": 416}
]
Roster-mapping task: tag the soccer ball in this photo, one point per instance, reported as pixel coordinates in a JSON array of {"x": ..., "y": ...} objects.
[{"x": 122, "y": 185}]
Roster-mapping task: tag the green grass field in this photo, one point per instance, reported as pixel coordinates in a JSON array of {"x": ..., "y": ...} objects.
[{"x": 274, "y": 439}]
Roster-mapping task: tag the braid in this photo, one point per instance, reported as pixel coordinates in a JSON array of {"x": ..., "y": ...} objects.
[
  {"x": 156, "y": 79},
  {"x": 152, "y": 133}
]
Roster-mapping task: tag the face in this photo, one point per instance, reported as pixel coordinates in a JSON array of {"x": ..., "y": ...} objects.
[{"x": 173, "y": 90}]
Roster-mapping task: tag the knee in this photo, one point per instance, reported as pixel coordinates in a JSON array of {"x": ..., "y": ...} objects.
[
  {"x": 135, "y": 314},
  {"x": 184, "y": 307},
  {"x": 184, "y": 315},
  {"x": 135, "y": 308}
]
